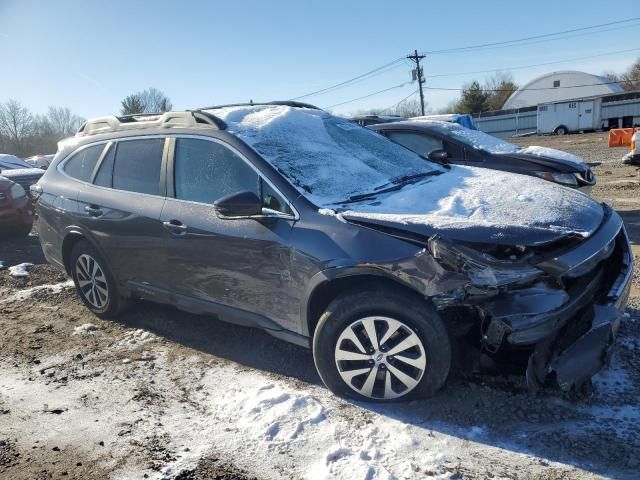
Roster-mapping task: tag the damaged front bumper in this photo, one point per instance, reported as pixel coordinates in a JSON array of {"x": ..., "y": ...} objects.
[{"x": 570, "y": 330}]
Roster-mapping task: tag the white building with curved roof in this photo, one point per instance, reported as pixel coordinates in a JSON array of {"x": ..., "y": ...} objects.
[{"x": 558, "y": 86}]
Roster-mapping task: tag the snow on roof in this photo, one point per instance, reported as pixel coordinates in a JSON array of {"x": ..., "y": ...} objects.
[
  {"x": 11, "y": 161},
  {"x": 326, "y": 158},
  {"x": 476, "y": 138}
]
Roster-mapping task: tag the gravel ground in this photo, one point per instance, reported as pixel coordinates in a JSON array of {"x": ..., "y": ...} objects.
[{"x": 165, "y": 394}]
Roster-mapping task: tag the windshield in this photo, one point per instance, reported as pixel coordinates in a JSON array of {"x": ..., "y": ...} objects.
[
  {"x": 327, "y": 158},
  {"x": 480, "y": 140}
]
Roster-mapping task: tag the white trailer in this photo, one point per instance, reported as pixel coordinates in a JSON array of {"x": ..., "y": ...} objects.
[{"x": 570, "y": 116}]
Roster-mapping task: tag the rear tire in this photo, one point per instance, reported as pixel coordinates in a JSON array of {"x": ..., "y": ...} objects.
[
  {"x": 94, "y": 281},
  {"x": 562, "y": 130},
  {"x": 410, "y": 356}
]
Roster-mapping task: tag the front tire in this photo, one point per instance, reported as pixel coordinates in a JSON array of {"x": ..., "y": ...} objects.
[
  {"x": 381, "y": 346},
  {"x": 94, "y": 282}
]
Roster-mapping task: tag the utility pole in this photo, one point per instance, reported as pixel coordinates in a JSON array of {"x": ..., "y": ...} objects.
[{"x": 416, "y": 58}]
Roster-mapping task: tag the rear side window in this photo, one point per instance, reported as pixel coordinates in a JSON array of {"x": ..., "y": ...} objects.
[
  {"x": 137, "y": 165},
  {"x": 205, "y": 171},
  {"x": 82, "y": 163}
]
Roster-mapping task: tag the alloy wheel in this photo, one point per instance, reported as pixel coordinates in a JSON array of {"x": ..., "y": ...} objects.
[
  {"x": 92, "y": 282},
  {"x": 380, "y": 357}
]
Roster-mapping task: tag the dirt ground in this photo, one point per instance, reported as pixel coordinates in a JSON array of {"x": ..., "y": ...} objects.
[{"x": 165, "y": 394}]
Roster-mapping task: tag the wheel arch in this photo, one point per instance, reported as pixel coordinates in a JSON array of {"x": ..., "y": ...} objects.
[
  {"x": 327, "y": 285},
  {"x": 71, "y": 238}
]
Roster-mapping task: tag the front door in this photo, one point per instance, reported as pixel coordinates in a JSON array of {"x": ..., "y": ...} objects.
[{"x": 243, "y": 263}]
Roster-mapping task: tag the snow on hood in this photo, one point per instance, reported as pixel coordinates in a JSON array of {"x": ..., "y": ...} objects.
[
  {"x": 499, "y": 205},
  {"x": 551, "y": 153}
]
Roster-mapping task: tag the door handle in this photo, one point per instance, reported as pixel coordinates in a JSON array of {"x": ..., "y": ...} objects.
[
  {"x": 93, "y": 210},
  {"x": 176, "y": 227}
]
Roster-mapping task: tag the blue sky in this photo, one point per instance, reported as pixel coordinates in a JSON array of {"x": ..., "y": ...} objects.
[{"x": 88, "y": 55}]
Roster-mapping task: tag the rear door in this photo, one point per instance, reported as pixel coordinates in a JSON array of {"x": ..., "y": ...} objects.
[
  {"x": 585, "y": 118},
  {"x": 242, "y": 263},
  {"x": 121, "y": 211}
]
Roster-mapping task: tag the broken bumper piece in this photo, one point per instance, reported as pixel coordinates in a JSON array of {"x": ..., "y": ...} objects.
[
  {"x": 570, "y": 319},
  {"x": 583, "y": 346}
]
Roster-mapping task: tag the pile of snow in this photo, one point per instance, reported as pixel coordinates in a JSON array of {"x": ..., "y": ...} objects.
[
  {"x": 326, "y": 158},
  {"x": 28, "y": 292},
  {"x": 552, "y": 153},
  {"x": 20, "y": 270},
  {"x": 84, "y": 329}
]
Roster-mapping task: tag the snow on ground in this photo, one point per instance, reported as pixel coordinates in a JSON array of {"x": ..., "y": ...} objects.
[
  {"x": 25, "y": 293},
  {"x": 20, "y": 270},
  {"x": 267, "y": 424}
]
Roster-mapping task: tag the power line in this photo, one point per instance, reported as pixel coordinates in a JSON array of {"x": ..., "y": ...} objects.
[
  {"x": 352, "y": 80},
  {"x": 534, "y": 37},
  {"x": 370, "y": 95},
  {"x": 398, "y": 104},
  {"x": 533, "y": 65},
  {"x": 522, "y": 89}
]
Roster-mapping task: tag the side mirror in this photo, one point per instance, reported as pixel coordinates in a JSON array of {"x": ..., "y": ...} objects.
[
  {"x": 240, "y": 204},
  {"x": 439, "y": 156}
]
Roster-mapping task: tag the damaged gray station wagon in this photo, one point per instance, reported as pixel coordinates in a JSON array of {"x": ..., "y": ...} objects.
[{"x": 393, "y": 269}]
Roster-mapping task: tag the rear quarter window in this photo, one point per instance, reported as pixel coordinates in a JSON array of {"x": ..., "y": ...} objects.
[{"x": 82, "y": 163}]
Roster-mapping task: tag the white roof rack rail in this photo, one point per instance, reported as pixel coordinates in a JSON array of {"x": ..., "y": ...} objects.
[{"x": 112, "y": 123}]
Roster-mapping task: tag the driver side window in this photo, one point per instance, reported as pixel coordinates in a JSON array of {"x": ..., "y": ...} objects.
[{"x": 205, "y": 171}]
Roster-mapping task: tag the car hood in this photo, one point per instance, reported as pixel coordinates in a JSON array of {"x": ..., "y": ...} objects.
[
  {"x": 549, "y": 158},
  {"x": 482, "y": 205}
]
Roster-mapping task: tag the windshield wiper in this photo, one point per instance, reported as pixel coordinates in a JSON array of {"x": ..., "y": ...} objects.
[{"x": 396, "y": 184}]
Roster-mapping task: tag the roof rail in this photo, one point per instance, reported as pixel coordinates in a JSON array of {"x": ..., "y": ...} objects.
[
  {"x": 136, "y": 121},
  {"x": 287, "y": 103}
]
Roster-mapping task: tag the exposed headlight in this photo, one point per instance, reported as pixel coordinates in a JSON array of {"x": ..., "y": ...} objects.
[
  {"x": 568, "y": 179},
  {"x": 478, "y": 269},
  {"x": 17, "y": 191}
]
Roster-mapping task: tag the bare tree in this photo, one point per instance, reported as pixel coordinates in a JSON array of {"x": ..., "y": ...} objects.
[
  {"x": 155, "y": 101},
  {"x": 16, "y": 124},
  {"x": 630, "y": 80},
  {"x": 62, "y": 122},
  {"x": 499, "y": 88},
  {"x": 150, "y": 100}
]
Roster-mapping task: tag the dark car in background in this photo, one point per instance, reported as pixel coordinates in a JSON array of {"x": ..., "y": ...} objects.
[
  {"x": 16, "y": 210},
  {"x": 452, "y": 143},
  {"x": 326, "y": 234},
  {"x": 19, "y": 171}
]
